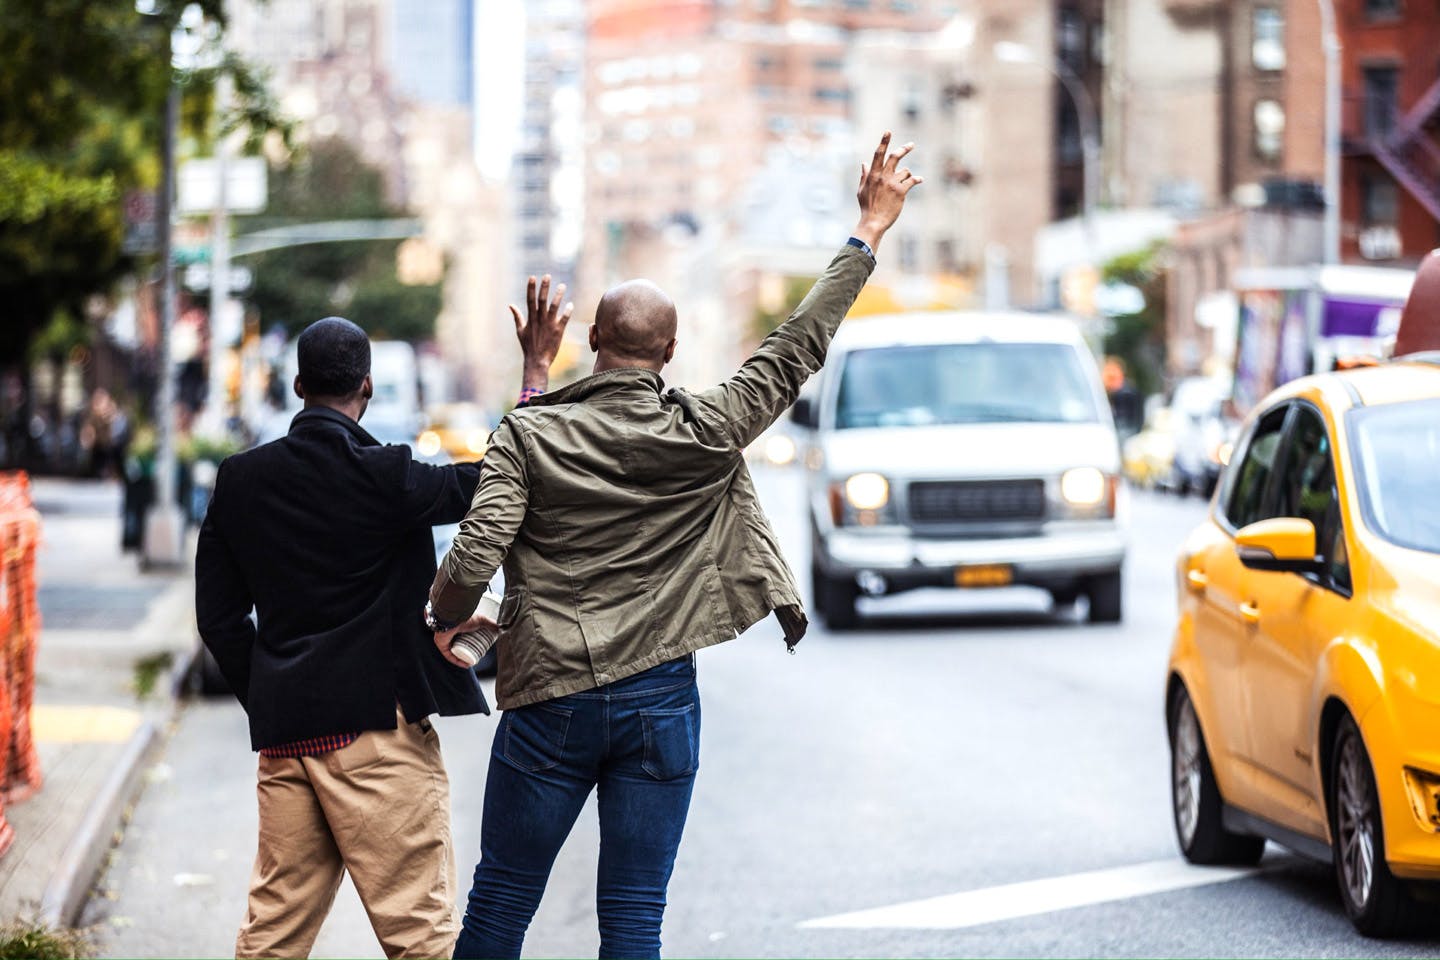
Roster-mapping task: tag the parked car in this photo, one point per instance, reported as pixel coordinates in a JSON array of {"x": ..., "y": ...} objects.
[
  {"x": 1148, "y": 457},
  {"x": 1200, "y": 431},
  {"x": 461, "y": 430},
  {"x": 1304, "y": 680},
  {"x": 962, "y": 450}
]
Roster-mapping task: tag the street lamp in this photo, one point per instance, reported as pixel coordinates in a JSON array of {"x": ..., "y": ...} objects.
[
  {"x": 1330, "y": 42},
  {"x": 1008, "y": 51}
]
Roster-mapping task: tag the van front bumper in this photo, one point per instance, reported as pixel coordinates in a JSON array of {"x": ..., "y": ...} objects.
[{"x": 1062, "y": 557}]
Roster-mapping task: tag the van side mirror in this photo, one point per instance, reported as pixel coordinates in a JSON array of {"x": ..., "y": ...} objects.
[
  {"x": 804, "y": 414},
  {"x": 1279, "y": 545}
]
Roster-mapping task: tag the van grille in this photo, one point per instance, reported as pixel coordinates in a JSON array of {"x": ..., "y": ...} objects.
[{"x": 971, "y": 500}]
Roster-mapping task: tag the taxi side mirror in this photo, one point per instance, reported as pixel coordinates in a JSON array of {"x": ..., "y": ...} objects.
[{"x": 1279, "y": 545}]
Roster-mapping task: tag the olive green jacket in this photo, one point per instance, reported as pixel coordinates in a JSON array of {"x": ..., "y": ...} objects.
[{"x": 626, "y": 518}]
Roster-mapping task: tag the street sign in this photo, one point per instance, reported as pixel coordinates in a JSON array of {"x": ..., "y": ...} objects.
[
  {"x": 141, "y": 235},
  {"x": 246, "y": 182},
  {"x": 1119, "y": 299},
  {"x": 197, "y": 277}
]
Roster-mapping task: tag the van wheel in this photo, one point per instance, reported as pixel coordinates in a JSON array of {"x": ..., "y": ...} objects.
[
  {"x": 1195, "y": 796},
  {"x": 834, "y": 599},
  {"x": 1375, "y": 900},
  {"x": 1104, "y": 593}
]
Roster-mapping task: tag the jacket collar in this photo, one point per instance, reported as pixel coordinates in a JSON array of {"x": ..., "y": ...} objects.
[
  {"x": 618, "y": 380},
  {"x": 317, "y": 417}
]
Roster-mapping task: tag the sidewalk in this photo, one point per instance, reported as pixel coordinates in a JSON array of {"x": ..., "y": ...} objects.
[{"x": 107, "y": 630}]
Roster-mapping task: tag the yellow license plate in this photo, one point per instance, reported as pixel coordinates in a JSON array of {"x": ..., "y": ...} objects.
[{"x": 984, "y": 575}]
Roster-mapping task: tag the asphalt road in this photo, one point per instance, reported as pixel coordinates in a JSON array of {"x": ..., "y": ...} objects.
[{"x": 958, "y": 744}]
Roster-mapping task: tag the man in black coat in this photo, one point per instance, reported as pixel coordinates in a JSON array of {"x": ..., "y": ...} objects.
[{"x": 326, "y": 534}]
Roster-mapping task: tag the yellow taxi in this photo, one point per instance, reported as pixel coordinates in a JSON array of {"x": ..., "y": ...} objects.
[
  {"x": 1304, "y": 682},
  {"x": 461, "y": 430}
]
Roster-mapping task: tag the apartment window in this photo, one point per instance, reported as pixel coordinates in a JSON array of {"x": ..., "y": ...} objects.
[
  {"x": 1379, "y": 200},
  {"x": 1267, "y": 46},
  {"x": 832, "y": 94},
  {"x": 909, "y": 254},
  {"x": 1269, "y": 129},
  {"x": 1382, "y": 88},
  {"x": 829, "y": 63},
  {"x": 1377, "y": 9},
  {"x": 1070, "y": 37}
]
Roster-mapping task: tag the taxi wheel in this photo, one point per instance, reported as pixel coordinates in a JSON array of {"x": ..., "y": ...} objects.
[
  {"x": 1195, "y": 796},
  {"x": 1105, "y": 596},
  {"x": 1375, "y": 900},
  {"x": 834, "y": 599}
]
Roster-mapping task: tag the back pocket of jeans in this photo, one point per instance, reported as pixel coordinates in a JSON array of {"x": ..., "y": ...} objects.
[
  {"x": 535, "y": 736},
  {"x": 671, "y": 745}
]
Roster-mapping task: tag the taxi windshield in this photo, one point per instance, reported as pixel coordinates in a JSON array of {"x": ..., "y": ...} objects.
[
  {"x": 1398, "y": 449},
  {"x": 965, "y": 383}
]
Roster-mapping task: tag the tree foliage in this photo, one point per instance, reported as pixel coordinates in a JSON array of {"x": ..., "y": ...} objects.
[
  {"x": 82, "y": 97},
  {"x": 356, "y": 279},
  {"x": 1139, "y": 338}
]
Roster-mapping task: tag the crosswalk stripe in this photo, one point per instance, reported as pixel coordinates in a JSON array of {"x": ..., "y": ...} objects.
[{"x": 1032, "y": 897}]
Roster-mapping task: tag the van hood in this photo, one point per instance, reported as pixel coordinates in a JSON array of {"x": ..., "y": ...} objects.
[{"x": 971, "y": 450}]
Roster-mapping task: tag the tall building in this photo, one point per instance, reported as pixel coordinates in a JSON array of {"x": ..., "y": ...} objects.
[
  {"x": 1390, "y": 191},
  {"x": 690, "y": 107},
  {"x": 431, "y": 51},
  {"x": 549, "y": 166}
]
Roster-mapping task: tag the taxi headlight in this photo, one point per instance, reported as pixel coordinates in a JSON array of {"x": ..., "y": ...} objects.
[
  {"x": 867, "y": 491},
  {"x": 428, "y": 444},
  {"x": 1083, "y": 486}
]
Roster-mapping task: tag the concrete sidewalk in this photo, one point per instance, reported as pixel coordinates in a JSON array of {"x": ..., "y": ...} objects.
[{"x": 109, "y": 632}]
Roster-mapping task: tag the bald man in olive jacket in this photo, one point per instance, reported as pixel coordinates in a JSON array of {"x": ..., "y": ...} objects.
[{"x": 630, "y": 536}]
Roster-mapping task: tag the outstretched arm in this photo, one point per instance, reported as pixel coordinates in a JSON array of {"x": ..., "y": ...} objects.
[{"x": 771, "y": 379}]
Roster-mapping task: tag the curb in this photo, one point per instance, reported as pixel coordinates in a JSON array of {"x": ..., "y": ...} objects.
[
  {"x": 83, "y": 858},
  {"x": 84, "y": 855}
]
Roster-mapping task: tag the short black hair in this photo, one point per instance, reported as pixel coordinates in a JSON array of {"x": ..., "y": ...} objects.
[{"x": 334, "y": 357}]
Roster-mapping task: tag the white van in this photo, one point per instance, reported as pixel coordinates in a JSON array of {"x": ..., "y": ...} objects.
[{"x": 963, "y": 450}]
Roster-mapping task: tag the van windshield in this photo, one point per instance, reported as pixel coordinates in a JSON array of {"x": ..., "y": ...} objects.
[{"x": 965, "y": 383}]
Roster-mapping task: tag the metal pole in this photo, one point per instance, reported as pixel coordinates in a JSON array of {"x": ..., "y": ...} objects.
[
  {"x": 1330, "y": 40},
  {"x": 163, "y": 527},
  {"x": 215, "y": 399},
  {"x": 1089, "y": 143}
]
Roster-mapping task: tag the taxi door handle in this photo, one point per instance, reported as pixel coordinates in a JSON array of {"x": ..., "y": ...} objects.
[
  {"x": 1196, "y": 580},
  {"x": 1249, "y": 612}
]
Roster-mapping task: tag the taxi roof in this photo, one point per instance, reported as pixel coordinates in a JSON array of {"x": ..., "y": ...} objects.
[
  {"x": 1408, "y": 378},
  {"x": 969, "y": 326}
]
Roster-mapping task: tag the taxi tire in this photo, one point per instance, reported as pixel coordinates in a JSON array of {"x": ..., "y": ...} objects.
[
  {"x": 1387, "y": 910},
  {"x": 1106, "y": 595},
  {"x": 1212, "y": 845},
  {"x": 834, "y": 599}
]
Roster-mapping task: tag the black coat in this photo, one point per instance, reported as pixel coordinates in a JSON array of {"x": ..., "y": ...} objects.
[{"x": 326, "y": 533}]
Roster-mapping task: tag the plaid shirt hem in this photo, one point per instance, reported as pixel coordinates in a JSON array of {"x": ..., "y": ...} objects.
[{"x": 311, "y": 747}]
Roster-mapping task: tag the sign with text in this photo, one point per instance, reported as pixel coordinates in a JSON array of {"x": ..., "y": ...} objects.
[{"x": 246, "y": 183}]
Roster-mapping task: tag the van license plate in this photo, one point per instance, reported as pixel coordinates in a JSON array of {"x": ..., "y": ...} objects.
[{"x": 984, "y": 575}]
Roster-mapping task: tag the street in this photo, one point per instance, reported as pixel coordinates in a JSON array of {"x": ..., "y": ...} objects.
[{"x": 953, "y": 745}]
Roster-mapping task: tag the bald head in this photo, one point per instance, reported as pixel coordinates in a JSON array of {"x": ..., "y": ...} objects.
[{"x": 634, "y": 326}]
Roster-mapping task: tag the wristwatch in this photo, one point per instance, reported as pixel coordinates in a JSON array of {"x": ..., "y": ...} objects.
[{"x": 435, "y": 624}]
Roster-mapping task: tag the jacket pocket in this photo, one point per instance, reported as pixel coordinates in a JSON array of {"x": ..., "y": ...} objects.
[
  {"x": 672, "y": 742},
  {"x": 535, "y": 736},
  {"x": 510, "y": 607}
]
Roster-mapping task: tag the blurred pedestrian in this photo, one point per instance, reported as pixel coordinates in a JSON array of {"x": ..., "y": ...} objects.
[
  {"x": 1126, "y": 405},
  {"x": 326, "y": 534},
  {"x": 631, "y": 536},
  {"x": 102, "y": 435}
]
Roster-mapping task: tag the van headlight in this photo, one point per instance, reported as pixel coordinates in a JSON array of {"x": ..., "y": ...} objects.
[
  {"x": 862, "y": 499},
  {"x": 867, "y": 491},
  {"x": 1083, "y": 486}
]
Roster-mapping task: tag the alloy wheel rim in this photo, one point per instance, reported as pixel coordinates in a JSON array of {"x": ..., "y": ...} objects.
[
  {"x": 1186, "y": 773},
  {"x": 1357, "y": 835}
]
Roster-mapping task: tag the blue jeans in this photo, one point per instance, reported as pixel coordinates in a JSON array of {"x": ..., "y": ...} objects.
[{"x": 637, "y": 742}]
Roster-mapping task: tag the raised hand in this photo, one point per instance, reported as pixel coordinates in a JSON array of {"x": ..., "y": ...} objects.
[
  {"x": 541, "y": 330},
  {"x": 884, "y": 185}
]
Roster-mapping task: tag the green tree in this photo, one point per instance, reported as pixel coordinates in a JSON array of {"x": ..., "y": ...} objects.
[
  {"x": 355, "y": 279},
  {"x": 1139, "y": 338}
]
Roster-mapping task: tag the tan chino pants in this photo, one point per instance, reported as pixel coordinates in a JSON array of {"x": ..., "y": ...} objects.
[{"x": 379, "y": 808}]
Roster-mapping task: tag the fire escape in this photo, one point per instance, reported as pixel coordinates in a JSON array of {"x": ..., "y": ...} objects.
[{"x": 1408, "y": 151}]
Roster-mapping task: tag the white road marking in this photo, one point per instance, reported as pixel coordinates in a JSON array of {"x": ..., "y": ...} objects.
[{"x": 975, "y": 907}]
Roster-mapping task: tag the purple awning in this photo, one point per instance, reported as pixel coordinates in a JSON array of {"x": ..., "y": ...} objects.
[{"x": 1351, "y": 318}]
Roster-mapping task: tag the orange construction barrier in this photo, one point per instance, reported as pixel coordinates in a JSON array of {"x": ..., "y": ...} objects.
[{"x": 19, "y": 634}]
